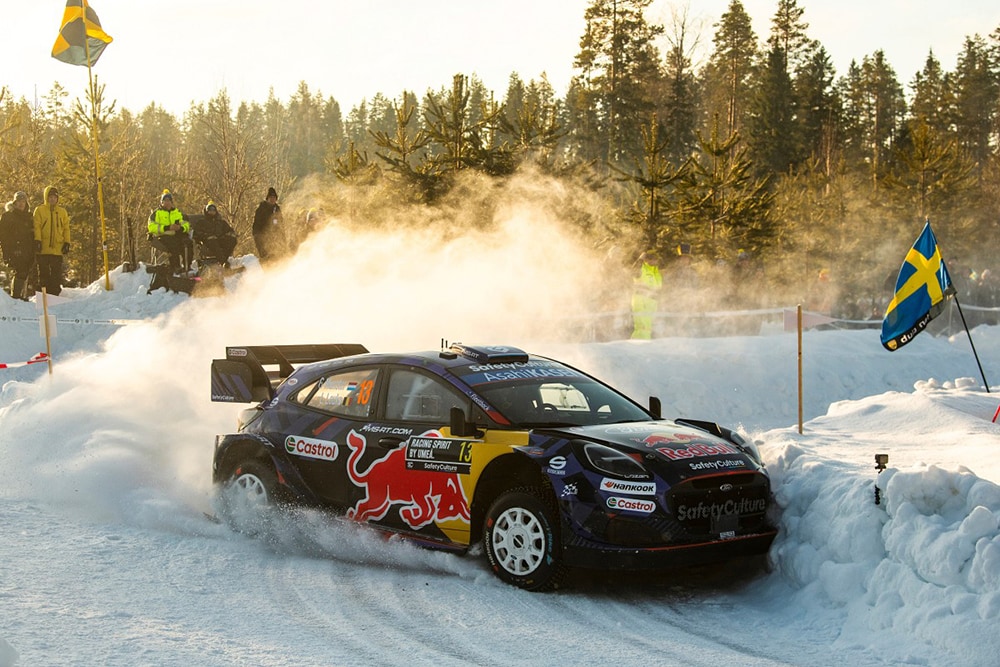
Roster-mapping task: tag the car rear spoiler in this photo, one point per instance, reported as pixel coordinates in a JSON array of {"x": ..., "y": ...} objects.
[{"x": 250, "y": 373}]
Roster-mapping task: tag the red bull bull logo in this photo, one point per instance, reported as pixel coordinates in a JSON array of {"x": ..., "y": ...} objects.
[{"x": 425, "y": 496}]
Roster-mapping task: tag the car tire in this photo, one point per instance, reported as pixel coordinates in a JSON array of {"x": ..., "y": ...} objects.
[
  {"x": 521, "y": 539},
  {"x": 250, "y": 498}
]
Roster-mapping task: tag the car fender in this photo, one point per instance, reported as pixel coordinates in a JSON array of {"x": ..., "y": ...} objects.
[{"x": 232, "y": 449}]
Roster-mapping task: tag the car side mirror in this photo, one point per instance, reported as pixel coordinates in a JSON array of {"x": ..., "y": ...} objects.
[
  {"x": 655, "y": 408},
  {"x": 460, "y": 427}
]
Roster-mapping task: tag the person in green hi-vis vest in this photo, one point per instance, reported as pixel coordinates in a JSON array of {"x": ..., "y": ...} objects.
[{"x": 645, "y": 296}]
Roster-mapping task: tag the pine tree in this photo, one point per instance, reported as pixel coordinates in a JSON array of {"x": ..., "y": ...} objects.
[
  {"x": 678, "y": 99},
  {"x": 619, "y": 67},
  {"x": 771, "y": 129},
  {"x": 976, "y": 95},
  {"x": 875, "y": 108},
  {"x": 933, "y": 100},
  {"x": 727, "y": 77},
  {"x": 818, "y": 109},
  {"x": 654, "y": 175}
]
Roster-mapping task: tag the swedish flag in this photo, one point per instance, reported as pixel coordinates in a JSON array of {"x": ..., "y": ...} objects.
[
  {"x": 80, "y": 36},
  {"x": 922, "y": 287}
]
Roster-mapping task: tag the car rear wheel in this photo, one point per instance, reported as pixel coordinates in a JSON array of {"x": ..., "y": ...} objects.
[
  {"x": 521, "y": 539},
  {"x": 250, "y": 497}
]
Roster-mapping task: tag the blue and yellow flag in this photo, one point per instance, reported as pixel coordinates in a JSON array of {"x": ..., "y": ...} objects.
[
  {"x": 81, "y": 37},
  {"x": 922, "y": 287}
]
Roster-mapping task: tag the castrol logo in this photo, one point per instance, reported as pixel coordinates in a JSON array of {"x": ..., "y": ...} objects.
[
  {"x": 311, "y": 448},
  {"x": 631, "y": 504}
]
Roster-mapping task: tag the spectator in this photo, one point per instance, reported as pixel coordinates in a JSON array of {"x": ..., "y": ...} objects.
[
  {"x": 267, "y": 227},
  {"x": 214, "y": 236},
  {"x": 51, "y": 240},
  {"x": 17, "y": 241},
  {"x": 645, "y": 296},
  {"x": 170, "y": 232}
]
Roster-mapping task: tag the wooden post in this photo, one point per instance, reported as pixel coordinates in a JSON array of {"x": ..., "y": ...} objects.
[
  {"x": 45, "y": 319},
  {"x": 798, "y": 314}
]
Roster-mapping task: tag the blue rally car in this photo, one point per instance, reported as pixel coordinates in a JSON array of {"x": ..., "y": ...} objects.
[{"x": 546, "y": 466}]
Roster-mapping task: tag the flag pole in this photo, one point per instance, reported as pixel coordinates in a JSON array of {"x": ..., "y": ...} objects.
[
  {"x": 971, "y": 344},
  {"x": 97, "y": 159}
]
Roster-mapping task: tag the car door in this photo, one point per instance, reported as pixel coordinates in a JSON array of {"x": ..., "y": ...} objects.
[
  {"x": 408, "y": 477},
  {"x": 331, "y": 408}
]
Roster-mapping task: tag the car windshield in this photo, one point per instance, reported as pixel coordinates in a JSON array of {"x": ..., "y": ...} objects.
[{"x": 565, "y": 402}]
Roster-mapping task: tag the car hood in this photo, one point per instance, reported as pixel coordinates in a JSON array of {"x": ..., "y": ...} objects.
[{"x": 668, "y": 441}]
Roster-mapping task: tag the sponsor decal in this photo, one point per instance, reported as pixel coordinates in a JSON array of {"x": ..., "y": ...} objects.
[
  {"x": 311, "y": 448},
  {"x": 236, "y": 352},
  {"x": 220, "y": 397},
  {"x": 716, "y": 465},
  {"x": 623, "y": 486},
  {"x": 484, "y": 373},
  {"x": 557, "y": 465},
  {"x": 423, "y": 496},
  {"x": 292, "y": 382},
  {"x": 569, "y": 490},
  {"x": 697, "y": 450},
  {"x": 625, "y": 430},
  {"x": 716, "y": 510},
  {"x": 657, "y": 439},
  {"x": 439, "y": 454},
  {"x": 631, "y": 504},
  {"x": 382, "y": 429}
]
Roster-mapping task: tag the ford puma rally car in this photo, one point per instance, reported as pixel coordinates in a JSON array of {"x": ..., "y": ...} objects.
[{"x": 549, "y": 467}]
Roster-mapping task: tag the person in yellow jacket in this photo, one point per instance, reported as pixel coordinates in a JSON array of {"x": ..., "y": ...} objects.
[
  {"x": 170, "y": 231},
  {"x": 646, "y": 296},
  {"x": 51, "y": 240}
]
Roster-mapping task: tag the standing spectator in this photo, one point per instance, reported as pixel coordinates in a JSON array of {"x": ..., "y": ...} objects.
[
  {"x": 267, "y": 227},
  {"x": 51, "y": 240},
  {"x": 170, "y": 232},
  {"x": 646, "y": 296},
  {"x": 17, "y": 241},
  {"x": 214, "y": 236}
]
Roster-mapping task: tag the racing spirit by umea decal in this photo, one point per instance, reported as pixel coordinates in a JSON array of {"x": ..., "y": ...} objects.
[
  {"x": 426, "y": 495},
  {"x": 311, "y": 448}
]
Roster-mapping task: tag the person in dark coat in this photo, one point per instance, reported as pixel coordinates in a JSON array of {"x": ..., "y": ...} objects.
[
  {"x": 267, "y": 232},
  {"x": 215, "y": 237},
  {"x": 17, "y": 241}
]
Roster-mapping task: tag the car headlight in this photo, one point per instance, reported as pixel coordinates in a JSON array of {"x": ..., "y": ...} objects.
[{"x": 613, "y": 462}]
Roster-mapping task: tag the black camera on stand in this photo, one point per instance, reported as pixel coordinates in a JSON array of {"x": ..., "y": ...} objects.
[{"x": 880, "y": 463}]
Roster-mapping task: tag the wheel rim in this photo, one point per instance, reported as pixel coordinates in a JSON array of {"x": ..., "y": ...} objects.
[
  {"x": 518, "y": 541},
  {"x": 250, "y": 491}
]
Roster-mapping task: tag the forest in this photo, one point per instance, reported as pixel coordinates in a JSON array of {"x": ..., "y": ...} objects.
[{"x": 762, "y": 158}]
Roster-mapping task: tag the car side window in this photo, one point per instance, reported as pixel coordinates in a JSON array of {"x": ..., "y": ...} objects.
[
  {"x": 351, "y": 393},
  {"x": 414, "y": 396}
]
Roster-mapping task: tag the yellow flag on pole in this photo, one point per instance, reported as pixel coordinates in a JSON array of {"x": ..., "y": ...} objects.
[{"x": 81, "y": 36}]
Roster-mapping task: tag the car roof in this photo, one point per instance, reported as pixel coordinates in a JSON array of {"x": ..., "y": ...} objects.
[{"x": 455, "y": 356}]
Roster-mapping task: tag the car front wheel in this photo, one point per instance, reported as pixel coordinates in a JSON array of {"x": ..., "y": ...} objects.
[{"x": 521, "y": 540}]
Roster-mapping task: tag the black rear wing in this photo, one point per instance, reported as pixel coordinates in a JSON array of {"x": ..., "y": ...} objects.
[{"x": 250, "y": 373}]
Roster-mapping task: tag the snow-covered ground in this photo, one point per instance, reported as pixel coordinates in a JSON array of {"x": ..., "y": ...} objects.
[{"x": 107, "y": 557}]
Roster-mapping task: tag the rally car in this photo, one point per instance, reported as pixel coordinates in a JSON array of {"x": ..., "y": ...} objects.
[{"x": 545, "y": 466}]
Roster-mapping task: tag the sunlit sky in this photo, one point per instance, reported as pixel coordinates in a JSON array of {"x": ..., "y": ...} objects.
[{"x": 181, "y": 51}]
